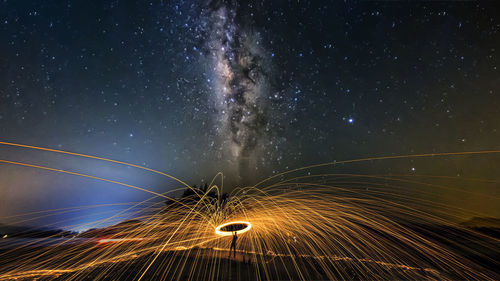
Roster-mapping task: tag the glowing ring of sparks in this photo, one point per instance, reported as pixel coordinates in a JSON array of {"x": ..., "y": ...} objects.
[{"x": 229, "y": 232}]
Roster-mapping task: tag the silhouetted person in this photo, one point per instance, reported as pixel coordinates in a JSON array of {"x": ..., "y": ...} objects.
[{"x": 233, "y": 244}]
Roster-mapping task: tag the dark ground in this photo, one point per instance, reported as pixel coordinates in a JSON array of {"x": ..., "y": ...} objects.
[
  {"x": 178, "y": 265},
  {"x": 212, "y": 264}
]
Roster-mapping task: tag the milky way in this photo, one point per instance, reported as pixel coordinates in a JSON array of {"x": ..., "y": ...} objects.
[
  {"x": 249, "y": 88},
  {"x": 239, "y": 73}
]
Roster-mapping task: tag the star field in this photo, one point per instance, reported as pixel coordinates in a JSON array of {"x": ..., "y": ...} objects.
[{"x": 138, "y": 82}]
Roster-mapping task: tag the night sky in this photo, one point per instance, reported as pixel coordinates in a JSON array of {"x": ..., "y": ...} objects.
[{"x": 249, "y": 88}]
